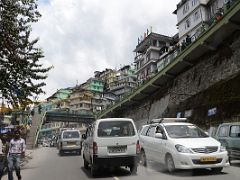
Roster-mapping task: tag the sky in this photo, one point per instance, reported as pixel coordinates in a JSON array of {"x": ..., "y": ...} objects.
[{"x": 79, "y": 37}]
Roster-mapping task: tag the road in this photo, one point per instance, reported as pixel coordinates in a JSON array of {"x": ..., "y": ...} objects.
[{"x": 48, "y": 165}]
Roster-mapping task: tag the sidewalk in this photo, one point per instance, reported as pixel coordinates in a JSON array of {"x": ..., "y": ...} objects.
[{"x": 28, "y": 157}]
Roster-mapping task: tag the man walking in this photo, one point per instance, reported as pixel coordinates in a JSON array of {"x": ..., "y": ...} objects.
[{"x": 17, "y": 148}]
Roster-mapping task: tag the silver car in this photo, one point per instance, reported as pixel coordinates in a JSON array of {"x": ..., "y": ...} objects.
[{"x": 70, "y": 141}]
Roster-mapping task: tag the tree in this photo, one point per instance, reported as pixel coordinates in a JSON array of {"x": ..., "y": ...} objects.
[{"x": 21, "y": 73}]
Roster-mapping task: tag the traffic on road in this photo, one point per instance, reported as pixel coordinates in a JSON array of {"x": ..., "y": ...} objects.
[{"x": 166, "y": 147}]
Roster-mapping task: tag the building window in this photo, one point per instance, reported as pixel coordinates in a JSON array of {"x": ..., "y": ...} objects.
[
  {"x": 185, "y": 8},
  {"x": 187, "y": 24},
  {"x": 194, "y": 2},
  {"x": 196, "y": 16}
]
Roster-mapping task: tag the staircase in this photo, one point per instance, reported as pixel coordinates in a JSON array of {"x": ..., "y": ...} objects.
[{"x": 36, "y": 121}]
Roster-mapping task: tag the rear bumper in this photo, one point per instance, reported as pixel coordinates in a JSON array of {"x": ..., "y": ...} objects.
[
  {"x": 71, "y": 148},
  {"x": 116, "y": 161}
]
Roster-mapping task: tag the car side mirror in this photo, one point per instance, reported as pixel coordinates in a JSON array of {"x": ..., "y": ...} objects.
[
  {"x": 159, "y": 135},
  {"x": 84, "y": 136}
]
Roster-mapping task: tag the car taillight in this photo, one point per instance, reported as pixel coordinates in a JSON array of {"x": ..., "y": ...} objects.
[
  {"x": 138, "y": 148},
  {"x": 95, "y": 148}
]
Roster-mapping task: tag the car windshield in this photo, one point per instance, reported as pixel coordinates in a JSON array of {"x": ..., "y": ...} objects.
[
  {"x": 185, "y": 131},
  {"x": 116, "y": 128},
  {"x": 70, "y": 134}
]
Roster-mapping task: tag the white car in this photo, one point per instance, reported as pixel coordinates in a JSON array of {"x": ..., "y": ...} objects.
[
  {"x": 70, "y": 140},
  {"x": 111, "y": 142},
  {"x": 181, "y": 145}
]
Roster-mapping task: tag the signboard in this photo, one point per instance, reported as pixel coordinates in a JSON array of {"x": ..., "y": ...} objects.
[
  {"x": 188, "y": 113},
  {"x": 212, "y": 111}
]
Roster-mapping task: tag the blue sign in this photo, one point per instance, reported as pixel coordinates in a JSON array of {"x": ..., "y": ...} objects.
[{"x": 212, "y": 111}]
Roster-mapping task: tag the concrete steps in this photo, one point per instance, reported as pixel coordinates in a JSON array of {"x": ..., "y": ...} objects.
[{"x": 36, "y": 121}]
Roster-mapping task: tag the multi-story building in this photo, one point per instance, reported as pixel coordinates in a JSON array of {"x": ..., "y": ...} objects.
[
  {"x": 147, "y": 54},
  {"x": 93, "y": 84},
  {"x": 59, "y": 99},
  {"x": 124, "y": 82},
  {"x": 81, "y": 101},
  {"x": 107, "y": 76},
  {"x": 194, "y": 15}
]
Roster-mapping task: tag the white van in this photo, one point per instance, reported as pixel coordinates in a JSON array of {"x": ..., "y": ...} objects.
[
  {"x": 70, "y": 140},
  {"x": 111, "y": 142}
]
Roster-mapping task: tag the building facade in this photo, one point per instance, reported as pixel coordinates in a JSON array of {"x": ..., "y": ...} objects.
[
  {"x": 124, "y": 82},
  {"x": 194, "y": 16},
  {"x": 147, "y": 55}
]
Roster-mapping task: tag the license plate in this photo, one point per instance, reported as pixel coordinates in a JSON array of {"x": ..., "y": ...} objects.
[
  {"x": 71, "y": 143},
  {"x": 208, "y": 159},
  {"x": 117, "y": 149}
]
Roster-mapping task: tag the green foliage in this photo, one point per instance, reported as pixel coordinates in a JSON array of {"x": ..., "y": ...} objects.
[{"x": 21, "y": 73}]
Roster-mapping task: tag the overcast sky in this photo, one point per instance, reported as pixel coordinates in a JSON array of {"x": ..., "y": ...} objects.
[{"x": 79, "y": 37}]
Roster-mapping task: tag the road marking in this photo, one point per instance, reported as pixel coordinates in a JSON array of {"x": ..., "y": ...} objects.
[{"x": 116, "y": 178}]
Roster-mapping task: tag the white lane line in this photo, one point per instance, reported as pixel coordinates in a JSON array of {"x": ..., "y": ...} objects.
[{"x": 116, "y": 178}]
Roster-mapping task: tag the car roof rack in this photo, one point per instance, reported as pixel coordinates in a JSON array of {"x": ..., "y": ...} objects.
[{"x": 161, "y": 120}]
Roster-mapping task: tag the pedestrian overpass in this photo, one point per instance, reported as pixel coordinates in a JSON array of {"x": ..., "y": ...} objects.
[{"x": 68, "y": 117}]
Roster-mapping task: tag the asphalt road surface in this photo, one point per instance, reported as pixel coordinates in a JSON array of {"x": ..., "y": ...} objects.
[{"x": 48, "y": 165}]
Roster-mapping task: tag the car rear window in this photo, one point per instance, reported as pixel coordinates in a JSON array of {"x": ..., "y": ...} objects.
[
  {"x": 70, "y": 134},
  {"x": 115, "y": 128}
]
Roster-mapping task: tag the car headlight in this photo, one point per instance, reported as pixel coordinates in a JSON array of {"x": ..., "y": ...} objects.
[
  {"x": 183, "y": 149},
  {"x": 223, "y": 148}
]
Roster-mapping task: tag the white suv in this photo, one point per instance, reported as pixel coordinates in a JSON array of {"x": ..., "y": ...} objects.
[
  {"x": 181, "y": 145},
  {"x": 111, "y": 142}
]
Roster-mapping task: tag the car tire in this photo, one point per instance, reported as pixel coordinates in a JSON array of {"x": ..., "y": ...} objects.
[
  {"x": 170, "y": 164},
  {"x": 133, "y": 169},
  {"x": 217, "y": 170},
  {"x": 143, "y": 159}
]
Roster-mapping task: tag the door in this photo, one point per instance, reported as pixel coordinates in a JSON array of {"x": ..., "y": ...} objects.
[
  {"x": 234, "y": 141},
  {"x": 88, "y": 144},
  {"x": 222, "y": 135},
  {"x": 149, "y": 143}
]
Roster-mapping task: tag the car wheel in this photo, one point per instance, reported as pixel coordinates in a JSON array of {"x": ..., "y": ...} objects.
[
  {"x": 133, "y": 169},
  {"x": 217, "y": 170},
  {"x": 143, "y": 159},
  {"x": 170, "y": 164}
]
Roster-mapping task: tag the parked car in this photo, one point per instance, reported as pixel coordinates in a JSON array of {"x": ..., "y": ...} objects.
[
  {"x": 181, "y": 145},
  {"x": 70, "y": 140},
  {"x": 111, "y": 142},
  {"x": 229, "y": 136}
]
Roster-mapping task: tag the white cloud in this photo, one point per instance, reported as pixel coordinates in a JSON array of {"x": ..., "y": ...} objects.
[{"x": 79, "y": 37}]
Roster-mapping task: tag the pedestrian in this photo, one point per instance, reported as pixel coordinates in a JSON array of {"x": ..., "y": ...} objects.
[
  {"x": 1, "y": 159},
  {"x": 17, "y": 148}
]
